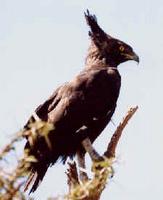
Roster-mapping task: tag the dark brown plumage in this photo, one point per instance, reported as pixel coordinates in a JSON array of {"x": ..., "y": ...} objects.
[{"x": 88, "y": 100}]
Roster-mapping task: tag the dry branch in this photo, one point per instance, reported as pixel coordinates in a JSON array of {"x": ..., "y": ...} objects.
[
  {"x": 72, "y": 175},
  {"x": 110, "y": 152}
]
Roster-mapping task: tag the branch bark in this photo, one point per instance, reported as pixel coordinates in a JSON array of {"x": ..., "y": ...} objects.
[{"x": 110, "y": 152}]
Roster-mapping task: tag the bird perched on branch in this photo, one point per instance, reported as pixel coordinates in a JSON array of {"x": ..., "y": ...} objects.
[{"x": 80, "y": 109}]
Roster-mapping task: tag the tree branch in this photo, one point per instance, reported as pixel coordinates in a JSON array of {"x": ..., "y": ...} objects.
[
  {"x": 110, "y": 152},
  {"x": 72, "y": 175}
]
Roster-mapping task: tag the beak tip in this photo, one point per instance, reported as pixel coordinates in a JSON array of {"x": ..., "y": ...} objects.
[
  {"x": 133, "y": 57},
  {"x": 136, "y": 58}
]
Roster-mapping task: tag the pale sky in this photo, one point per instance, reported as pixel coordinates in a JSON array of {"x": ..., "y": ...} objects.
[{"x": 43, "y": 43}]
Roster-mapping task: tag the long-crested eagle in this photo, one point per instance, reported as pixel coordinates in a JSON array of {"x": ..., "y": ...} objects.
[{"x": 81, "y": 108}]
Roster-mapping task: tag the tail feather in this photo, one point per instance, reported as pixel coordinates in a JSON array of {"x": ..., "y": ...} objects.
[
  {"x": 38, "y": 180},
  {"x": 30, "y": 181},
  {"x": 35, "y": 178},
  {"x": 39, "y": 169}
]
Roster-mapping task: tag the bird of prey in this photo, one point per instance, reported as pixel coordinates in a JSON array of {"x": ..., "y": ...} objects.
[{"x": 81, "y": 109}]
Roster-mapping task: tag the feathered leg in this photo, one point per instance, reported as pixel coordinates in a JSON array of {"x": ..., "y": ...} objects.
[{"x": 91, "y": 151}]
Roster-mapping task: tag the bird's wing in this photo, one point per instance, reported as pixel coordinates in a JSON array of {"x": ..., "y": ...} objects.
[
  {"x": 41, "y": 112},
  {"x": 61, "y": 107},
  {"x": 72, "y": 103}
]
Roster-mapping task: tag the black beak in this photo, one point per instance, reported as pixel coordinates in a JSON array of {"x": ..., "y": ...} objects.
[
  {"x": 136, "y": 58},
  {"x": 133, "y": 56}
]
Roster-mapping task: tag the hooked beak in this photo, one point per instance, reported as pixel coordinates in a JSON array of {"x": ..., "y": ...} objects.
[{"x": 133, "y": 56}]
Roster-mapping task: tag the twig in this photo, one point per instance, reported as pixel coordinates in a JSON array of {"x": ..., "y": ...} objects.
[
  {"x": 72, "y": 175},
  {"x": 10, "y": 146},
  {"x": 110, "y": 152}
]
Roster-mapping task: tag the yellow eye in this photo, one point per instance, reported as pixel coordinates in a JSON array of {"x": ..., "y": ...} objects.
[{"x": 121, "y": 48}]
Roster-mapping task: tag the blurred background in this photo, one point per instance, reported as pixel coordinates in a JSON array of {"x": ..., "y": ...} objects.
[{"x": 43, "y": 43}]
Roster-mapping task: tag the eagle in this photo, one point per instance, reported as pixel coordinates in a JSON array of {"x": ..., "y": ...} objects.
[{"x": 81, "y": 108}]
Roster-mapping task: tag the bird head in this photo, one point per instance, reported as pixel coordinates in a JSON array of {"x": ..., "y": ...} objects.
[{"x": 110, "y": 49}]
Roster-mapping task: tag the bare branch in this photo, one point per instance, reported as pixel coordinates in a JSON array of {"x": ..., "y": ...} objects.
[
  {"x": 110, "y": 152},
  {"x": 72, "y": 175}
]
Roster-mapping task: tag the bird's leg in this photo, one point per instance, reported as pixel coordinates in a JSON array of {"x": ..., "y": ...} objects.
[
  {"x": 91, "y": 151},
  {"x": 82, "y": 167}
]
